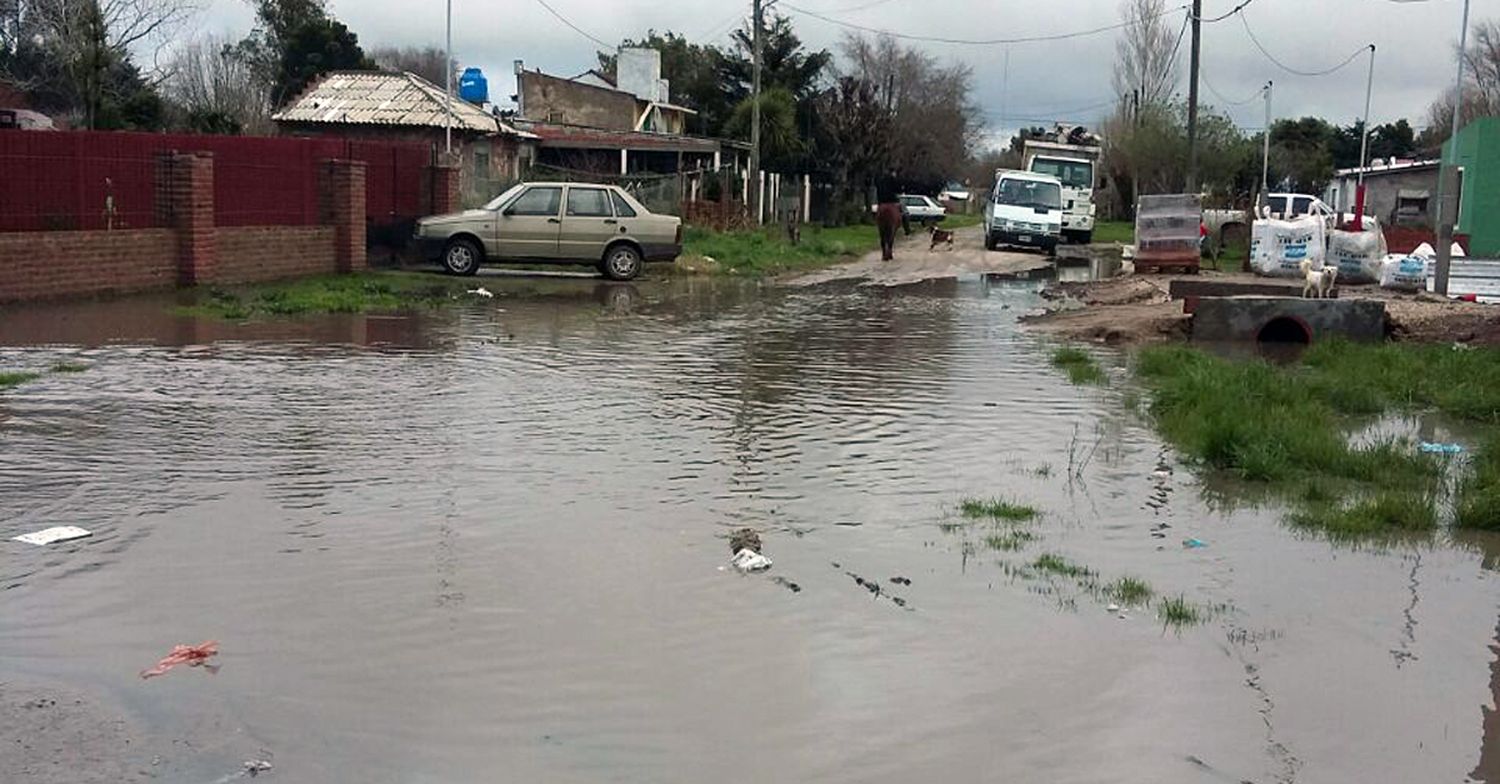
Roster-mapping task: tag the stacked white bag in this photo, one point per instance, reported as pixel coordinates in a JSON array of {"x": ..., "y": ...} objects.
[
  {"x": 1409, "y": 272},
  {"x": 1278, "y": 248},
  {"x": 1359, "y": 255}
]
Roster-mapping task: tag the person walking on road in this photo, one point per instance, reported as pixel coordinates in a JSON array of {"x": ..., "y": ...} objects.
[{"x": 887, "y": 214}]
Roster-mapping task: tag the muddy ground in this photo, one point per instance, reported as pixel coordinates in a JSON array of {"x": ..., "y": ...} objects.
[
  {"x": 917, "y": 261},
  {"x": 1138, "y": 309}
]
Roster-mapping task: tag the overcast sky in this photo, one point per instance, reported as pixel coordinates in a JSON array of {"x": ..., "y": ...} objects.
[{"x": 1067, "y": 80}]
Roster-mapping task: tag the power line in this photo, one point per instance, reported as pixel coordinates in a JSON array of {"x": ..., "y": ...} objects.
[
  {"x": 982, "y": 42},
  {"x": 721, "y": 27},
  {"x": 1228, "y": 103},
  {"x": 1232, "y": 12},
  {"x": 1291, "y": 70},
  {"x": 575, "y": 27},
  {"x": 861, "y": 7}
]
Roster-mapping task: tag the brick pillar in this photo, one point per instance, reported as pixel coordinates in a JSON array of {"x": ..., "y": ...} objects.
[
  {"x": 185, "y": 204},
  {"x": 442, "y": 188},
  {"x": 343, "y": 202}
]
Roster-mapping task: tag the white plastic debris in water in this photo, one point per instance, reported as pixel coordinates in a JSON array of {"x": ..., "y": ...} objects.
[
  {"x": 62, "y": 533},
  {"x": 482, "y": 292},
  {"x": 748, "y": 560}
]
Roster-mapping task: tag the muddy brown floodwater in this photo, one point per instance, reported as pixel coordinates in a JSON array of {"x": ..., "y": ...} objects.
[{"x": 487, "y": 544}]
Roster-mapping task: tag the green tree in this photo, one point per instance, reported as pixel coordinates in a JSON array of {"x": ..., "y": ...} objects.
[
  {"x": 295, "y": 42},
  {"x": 1302, "y": 153},
  {"x": 786, "y": 64},
  {"x": 781, "y": 144},
  {"x": 854, "y": 141}
]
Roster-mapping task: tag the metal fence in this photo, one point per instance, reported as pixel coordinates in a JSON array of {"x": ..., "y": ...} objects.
[{"x": 81, "y": 180}]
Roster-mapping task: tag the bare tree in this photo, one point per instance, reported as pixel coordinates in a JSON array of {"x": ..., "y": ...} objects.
[
  {"x": 220, "y": 90},
  {"x": 1146, "y": 53},
  {"x": 934, "y": 123},
  {"x": 86, "y": 38},
  {"x": 426, "y": 62},
  {"x": 1481, "y": 86}
]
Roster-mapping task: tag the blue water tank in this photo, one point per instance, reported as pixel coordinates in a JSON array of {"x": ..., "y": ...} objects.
[{"x": 473, "y": 87}]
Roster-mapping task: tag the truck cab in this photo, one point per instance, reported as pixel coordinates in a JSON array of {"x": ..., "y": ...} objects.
[
  {"x": 1076, "y": 167},
  {"x": 1025, "y": 209}
]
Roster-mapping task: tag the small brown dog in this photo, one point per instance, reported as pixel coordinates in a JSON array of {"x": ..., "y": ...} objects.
[{"x": 940, "y": 237}]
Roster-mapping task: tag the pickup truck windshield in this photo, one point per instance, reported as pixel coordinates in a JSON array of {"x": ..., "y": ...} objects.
[
  {"x": 1028, "y": 193},
  {"x": 1074, "y": 174}
]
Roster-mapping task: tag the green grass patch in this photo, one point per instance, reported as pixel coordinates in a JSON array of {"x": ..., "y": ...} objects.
[
  {"x": 1479, "y": 492},
  {"x": 1058, "y": 565},
  {"x": 1080, "y": 365},
  {"x": 69, "y": 367},
  {"x": 357, "y": 293},
  {"x": 1129, "y": 591},
  {"x": 1009, "y": 541},
  {"x": 1122, "y": 232},
  {"x": 1178, "y": 611},
  {"x": 768, "y": 252},
  {"x": 1281, "y": 425},
  {"x": 997, "y": 509},
  {"x": 10, "y": 379}
]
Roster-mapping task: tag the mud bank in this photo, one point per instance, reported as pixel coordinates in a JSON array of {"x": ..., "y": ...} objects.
[{"x": 1138, "y": 309}]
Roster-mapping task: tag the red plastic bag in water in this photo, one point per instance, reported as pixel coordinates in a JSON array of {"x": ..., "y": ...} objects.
[{"x": 191, "y": 655}]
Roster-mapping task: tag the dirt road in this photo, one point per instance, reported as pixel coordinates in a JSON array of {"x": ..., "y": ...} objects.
[{"x": 915, "y": 262}]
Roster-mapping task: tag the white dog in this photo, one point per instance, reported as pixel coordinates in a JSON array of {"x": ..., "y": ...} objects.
[{"x": 1318, "y": 283}]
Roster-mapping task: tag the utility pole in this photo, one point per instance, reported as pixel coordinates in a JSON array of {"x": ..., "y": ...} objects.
[
  {"x": 1192, "y": 129},
  {"x": 1364, "y": 149},
  {"x": 757, "y": 21},
  {"x": 1444, "y": 231},
  {"x": 1265, "y": 161},
  {"x": 448, "y": 71}
]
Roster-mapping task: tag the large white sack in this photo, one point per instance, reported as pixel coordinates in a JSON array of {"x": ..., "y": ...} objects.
[
  {"x": 1358, "y": 255},
  {"x": 1408, "y": 273},
  {"x": 1278, "y": 248}
]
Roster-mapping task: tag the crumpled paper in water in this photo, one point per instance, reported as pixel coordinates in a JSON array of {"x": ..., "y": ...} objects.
[
  {"x": 748, "y": 560},
  {"x": 191, "y": 655}
]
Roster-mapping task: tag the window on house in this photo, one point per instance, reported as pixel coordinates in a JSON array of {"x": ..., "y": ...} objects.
[
  {"x": 588, "y": 203},
  {"x": 482, "y": 164},
  {"x": 622, "y": 207},
  {"x": 538, "y": 201}
]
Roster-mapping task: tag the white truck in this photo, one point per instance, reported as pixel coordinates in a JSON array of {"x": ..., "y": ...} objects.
[
  {"x": 1076, "y": 166},
  {"x": 1024, "y": 209}
]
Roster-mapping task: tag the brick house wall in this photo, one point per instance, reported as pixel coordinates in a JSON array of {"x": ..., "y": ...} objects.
[{"x": 192, "y": 250}]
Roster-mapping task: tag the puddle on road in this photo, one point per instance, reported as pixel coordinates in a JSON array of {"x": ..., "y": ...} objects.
[{"x": 490, "y": 538}]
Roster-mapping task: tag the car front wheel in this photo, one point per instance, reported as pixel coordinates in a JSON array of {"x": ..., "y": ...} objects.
[
  {"x": 621, "y": 262},
  {"x": 461, "y": 257}
]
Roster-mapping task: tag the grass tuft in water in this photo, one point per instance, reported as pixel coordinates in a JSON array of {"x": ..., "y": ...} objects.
[
  {"x": 1080, "y": 365},
  {"x": 69, "y": 367},
  {"x": 1129, "y": 591},
  {"x": 1177, "y": 611},
  {"x": 1383, "y": 514},
  {"x": 357, "y": 293},
  {"x": 996, "y": 509},
  {"x": 1479, "y": 492},
  {"x": 1009, "y": 541},
  {"x": 1058, "y": 565},
  {"x": 10, "y": 379}
]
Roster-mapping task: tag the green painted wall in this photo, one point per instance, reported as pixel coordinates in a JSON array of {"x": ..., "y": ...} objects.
[{"x": 1477, "y": 150}]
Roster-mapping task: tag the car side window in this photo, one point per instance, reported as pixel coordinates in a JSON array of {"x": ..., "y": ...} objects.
[
  {"x": 537, "y": 202},
  {"x": 588, "y": 203},
  {"x": 912, "y": 201},
  {"x": 622, "y": 208},
  {"x": 1302, "y": 206}
]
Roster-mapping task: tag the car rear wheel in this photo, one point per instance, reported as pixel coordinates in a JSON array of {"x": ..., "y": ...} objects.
[
  {"x": 461, "y": 257},
  {"x": 621, "y": 262}
]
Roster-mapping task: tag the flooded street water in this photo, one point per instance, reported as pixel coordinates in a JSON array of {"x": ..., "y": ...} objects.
[{"x": 487, "y": 544}]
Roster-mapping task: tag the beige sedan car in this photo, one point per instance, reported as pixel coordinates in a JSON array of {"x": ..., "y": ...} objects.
[{"x": 554, "y": 222}]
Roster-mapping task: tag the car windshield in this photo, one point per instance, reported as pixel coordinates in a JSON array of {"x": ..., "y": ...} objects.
[
  {"x": 496, "y": 203},
  {"x": 1073, "y": 174},
  {"x": 1029, "y": 193}
]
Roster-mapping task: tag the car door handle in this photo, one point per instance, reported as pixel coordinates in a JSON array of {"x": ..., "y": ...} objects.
[
  {"x": 610, "y": 221},
  {"x": 554, "y": 220}
]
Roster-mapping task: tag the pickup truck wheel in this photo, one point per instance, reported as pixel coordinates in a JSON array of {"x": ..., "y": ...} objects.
[
  {"x": 1086, "y": 237},
  {"x": 621, "y": 262},
  {"x": 461, "y": 257},
  {"x": 989, "y": 241}
]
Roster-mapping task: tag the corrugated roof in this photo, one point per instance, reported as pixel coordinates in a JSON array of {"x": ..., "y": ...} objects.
[{"x": 383, "y": 98}]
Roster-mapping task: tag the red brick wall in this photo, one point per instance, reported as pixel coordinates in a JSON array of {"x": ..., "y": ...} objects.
[
  {"x": 39, "y": 265},
  {"x": 255, "y": 253}
]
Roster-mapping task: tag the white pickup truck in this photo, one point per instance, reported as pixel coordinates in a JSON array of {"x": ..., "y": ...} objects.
[{"x": 1282, "y": 206}]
